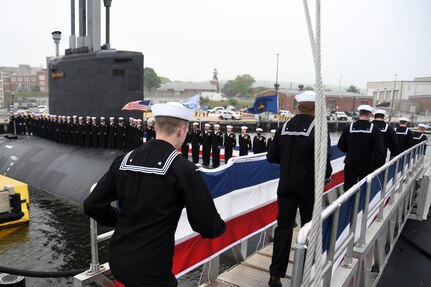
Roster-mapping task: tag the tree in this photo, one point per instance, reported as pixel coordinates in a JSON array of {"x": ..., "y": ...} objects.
[
  {"x": 242, "y": 84},
  {"x": 227, "y": 89},
  {"x": 353, "y": 89},
  {"x": 233, "y": 101},
  {"x": 151, "y": 80},
  {"x": 309, "y": 88},
  {"x": 164, "y": 80}
]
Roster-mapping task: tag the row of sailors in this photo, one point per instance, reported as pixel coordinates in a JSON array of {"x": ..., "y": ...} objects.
[
  {"x": 119, "y": 135},
  {"x": 89, "y": 133},
  {"x": 366, "y": 142},
  {"x": 212, "y": 141}
]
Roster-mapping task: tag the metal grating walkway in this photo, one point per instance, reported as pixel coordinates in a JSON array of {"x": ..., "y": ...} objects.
[{"x": 254, "y": 271}]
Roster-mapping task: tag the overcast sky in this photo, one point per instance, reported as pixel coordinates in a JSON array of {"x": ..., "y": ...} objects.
[{"x": 362, "y": 40}]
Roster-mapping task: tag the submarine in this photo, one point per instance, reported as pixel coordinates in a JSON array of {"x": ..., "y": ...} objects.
[{"x": 90, "y": 79}]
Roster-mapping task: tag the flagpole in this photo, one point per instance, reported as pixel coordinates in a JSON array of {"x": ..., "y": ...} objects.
[{"x": 276, "y": 86}]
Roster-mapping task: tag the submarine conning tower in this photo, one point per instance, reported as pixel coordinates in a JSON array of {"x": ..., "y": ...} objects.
[{"x": 90, "y": 79}]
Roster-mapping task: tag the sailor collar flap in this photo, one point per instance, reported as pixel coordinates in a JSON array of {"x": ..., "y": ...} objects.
[
  {"x": 299, "y": 132},
  {"x": 354, "y": 129},
  {"x": 399, "y": 132},
  {"x": 416, "y": 137},
  {"x": 159, "y": 168},
  {"x": 385, "y": 129}
]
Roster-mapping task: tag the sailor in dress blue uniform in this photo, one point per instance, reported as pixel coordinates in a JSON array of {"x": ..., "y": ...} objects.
[
  {"x": 229, "y": 143},
  {"x": 404, "y": 136},
  {"x": 390, "y": 140},
  {"x": 152, "y": 184},
  {"x": 363, "y": 144},
  {"x": 259, "y": 142},
  {"x": 207, "y": 136},
  {"x": 419, "y": 136},
  {"x": 244, "y": 141},
  {"x": 293, "y": 148},
  {"x": 196, "y": 142}
]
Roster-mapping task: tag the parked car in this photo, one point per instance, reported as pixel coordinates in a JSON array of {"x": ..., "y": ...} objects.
[
  {"x": 340, "y": 116},
  {"x": 216, "y": 110},
  {"x": 284, "y": 113},
  {"x": 228, "y": 115},
  {"x": 328, "y": 116},
  {"x": 42, "y": 108},
  {"x": 355, "y": 117}
]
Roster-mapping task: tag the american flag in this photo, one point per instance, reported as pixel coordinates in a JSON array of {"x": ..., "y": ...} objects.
[{"x": 141, "y": 105}]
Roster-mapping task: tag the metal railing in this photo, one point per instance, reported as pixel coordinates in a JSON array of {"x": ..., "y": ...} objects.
[{"x": 396, "y": 193}]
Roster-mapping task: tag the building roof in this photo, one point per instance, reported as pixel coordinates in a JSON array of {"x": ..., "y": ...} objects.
[{"x": 182, "y": 86}]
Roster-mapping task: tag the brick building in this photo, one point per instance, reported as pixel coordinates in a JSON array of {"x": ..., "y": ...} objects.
[
  {"x": 1, "y": 91},
  {"x": 24, "y": 79}
]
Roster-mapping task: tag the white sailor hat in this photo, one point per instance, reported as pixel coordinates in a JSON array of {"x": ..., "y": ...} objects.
[
  {"x": 88, "y": 117},
  {"x": 120, "y": 118},
  {"x": 111, "y": 118},
  {"x": 139, "y": 120},
  {"x": 80, "y": 118},
  {"x": 93, "y": 118},
  {"x": 74, "y": 116},
  {"x": 63, "y": 117},
  {"x": 381, "y": 112},
  {"x": 404, "y": 119},
  {"x": 216, "y": 125},
  {"x": 195, "y": 124},
  {"x": 172, "y": 109},
  {"x": 68, "y": 117},
  {"x": 259, "y": 130},
  {"x": 423, "y": 126},
  {"x": 229, "y": 127},
  {"x": 273, "y": 131},
  {"x": 308, "y": 96},
  {"x": 131, "y": 118},
  {"x": 367, "y": 108},
  {"x": 102, "y": 118},
  {"x": 151, "y": 120},
  {"x": 244, "y": 127},
  {"x": 207, "y": 125}
]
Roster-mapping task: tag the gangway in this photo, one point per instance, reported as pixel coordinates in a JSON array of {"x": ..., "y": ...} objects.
[{"x": 359, "y": 227}]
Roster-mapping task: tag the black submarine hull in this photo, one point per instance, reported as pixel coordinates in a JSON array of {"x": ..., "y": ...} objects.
[{"x": 63, "y": 170}]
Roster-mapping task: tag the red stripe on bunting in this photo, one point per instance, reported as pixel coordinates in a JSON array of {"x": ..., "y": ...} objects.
[{"x": 197, "y": 249}]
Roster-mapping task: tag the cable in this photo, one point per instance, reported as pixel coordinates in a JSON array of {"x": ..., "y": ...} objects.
[{"x": 41, "y": 274}]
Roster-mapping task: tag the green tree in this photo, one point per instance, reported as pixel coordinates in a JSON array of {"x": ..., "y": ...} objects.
[
  {"x": 309, "y": 88},
  {"x": 164, "y": 80},
  {"x": 151, "y": 80},
  {"x": 242, "y": 85},
  {"x": 227, "y": 89},
  {"x": 233, "y": 101},
  {"x": 353, "y": 89}
]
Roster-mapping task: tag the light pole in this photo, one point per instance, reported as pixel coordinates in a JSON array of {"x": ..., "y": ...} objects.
[
  {"x": 339, "y": 84},
  {"x": 276, "y": 86},
  {"x": 56, "y": 36},
  {"x": 13, "y": 110},
  {"x": 393, "y": 98}
]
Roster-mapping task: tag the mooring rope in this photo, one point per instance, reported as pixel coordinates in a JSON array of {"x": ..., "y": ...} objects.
[{"x": 314, "y": 252}]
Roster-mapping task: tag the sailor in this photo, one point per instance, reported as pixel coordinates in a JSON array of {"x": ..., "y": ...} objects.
[
  {"x": 12, "y": 124},
  {"x": 419, "y": 136},
  {"x": 87, "y": 131},
  {"x": 229, "y": 143},
  {"x": 293, "y": 149},
  {"x": 68, "y": 130},
  {"x": 142, "y": 246},
  {"x": 186, "y": 144},
  {"x": 130, "y": 133},
  {"x": 94, "y": 132},
  {"x": 81, "y": 131},
  {"x": 244, "y": 141},
  {"x": 121, "y": 133},
  {"x": 207, "y": 135},
  {"x": 268, "y": 143},
  {"x": 63, "y": 130},
  {"x": 150, "y": 133},
  {"x": 389, "y": 136},
  {"x": 196, "y": 142},
  {"x": 74, "y": 130},
  {"x": 217, "y": 142},
  {"x": 404, "y": 136},
  {"x": 363, "y": 144},
  {"x": 103, "y": 132},
  {"x": 112, "y": 133},
  {"x": 139, "y": 133},
  {"x": 259, "y": 142}
]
